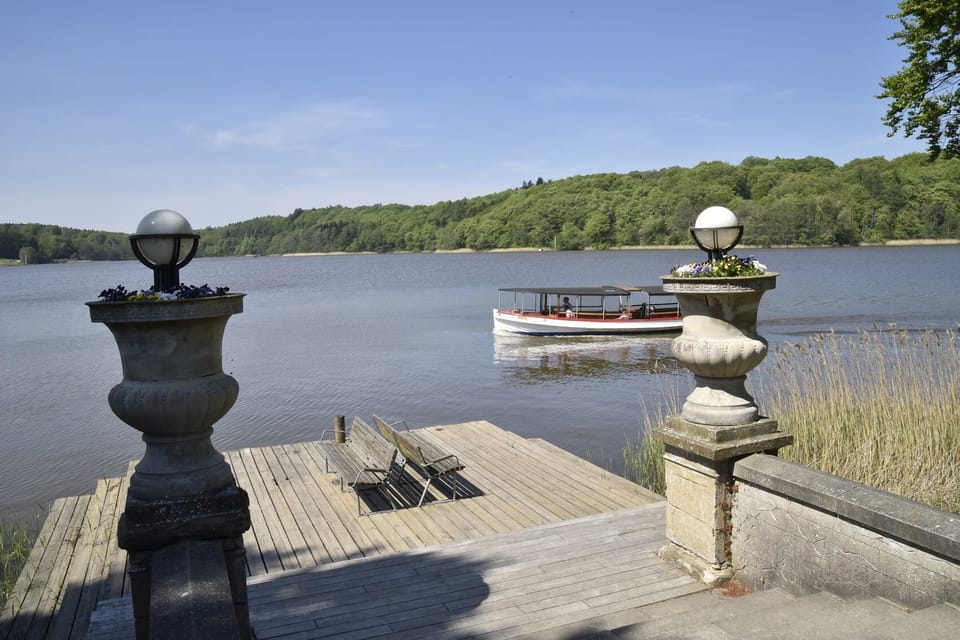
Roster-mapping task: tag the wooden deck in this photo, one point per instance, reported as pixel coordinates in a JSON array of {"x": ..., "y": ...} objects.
[
  {"x": 301, "y": 520},
  {"x": 565, "y": 580}
]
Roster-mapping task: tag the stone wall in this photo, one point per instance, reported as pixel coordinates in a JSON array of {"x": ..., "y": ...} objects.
[{"x": 803, "y": 530}]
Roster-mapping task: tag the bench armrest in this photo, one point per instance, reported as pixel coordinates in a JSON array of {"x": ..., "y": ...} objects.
[
  {"x": 440, "y": 459},
  {"x": 326, "y": 431},
  {"x": 382, "y": 472}
]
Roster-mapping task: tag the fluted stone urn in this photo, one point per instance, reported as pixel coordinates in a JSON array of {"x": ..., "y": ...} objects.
[
  {"x": 719, "y": 422},
  {"x": 173, "y": 391},
  {"x": 183, "y": 500},
  {"x": 719, "y": 344}
]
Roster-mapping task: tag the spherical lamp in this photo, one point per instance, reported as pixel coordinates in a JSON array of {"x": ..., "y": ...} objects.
[
  {"x": 716, "y": 231},
  {"x": 165, "y": 242}
]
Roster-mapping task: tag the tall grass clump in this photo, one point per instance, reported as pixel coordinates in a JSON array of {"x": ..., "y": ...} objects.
[
  {"x": 15, "y": 543},
  {"x": 643, "y": 461},
  {"x": 643, "y": 458},
  {"x": 879, "y": 407}
]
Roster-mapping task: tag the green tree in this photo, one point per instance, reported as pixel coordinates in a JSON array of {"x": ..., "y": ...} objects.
[
  {"x": 598, "y": 229},
  {"x": 925, "y": 94}
]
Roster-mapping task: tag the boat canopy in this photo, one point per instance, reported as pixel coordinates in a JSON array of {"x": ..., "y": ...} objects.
[
  {"x": 605, "y": 290},
  {"x": 572, "y": 291}
]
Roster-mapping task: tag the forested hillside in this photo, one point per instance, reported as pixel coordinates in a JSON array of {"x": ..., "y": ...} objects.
[
  {"x": 810, "y": 201},
  {"x": 36, "y": 243}
]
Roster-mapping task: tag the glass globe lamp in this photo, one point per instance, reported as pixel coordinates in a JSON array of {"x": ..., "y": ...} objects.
[
  {"x": 716, "y": 231},
  {"x": 164, "y": 242}
]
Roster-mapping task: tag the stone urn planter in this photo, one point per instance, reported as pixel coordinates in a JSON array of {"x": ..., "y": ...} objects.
[
  {"x": 719, "y": 344},
  {"x": 173, "y": 391}
]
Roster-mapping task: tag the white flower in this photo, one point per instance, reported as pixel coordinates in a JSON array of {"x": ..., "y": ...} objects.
[
  {"x": 683, "y": 269},
  {"x": 757, "y": 265}
]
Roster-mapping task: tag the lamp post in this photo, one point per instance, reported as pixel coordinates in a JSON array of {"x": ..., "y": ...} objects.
[
  {"x": 183, "y": 505},
  {"x": 719, "y": 422}
]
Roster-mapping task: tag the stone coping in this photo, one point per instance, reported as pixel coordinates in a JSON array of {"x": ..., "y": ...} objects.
[
  {"x": 163, "y": 310},
  {"x": 915, "y": 523},
  {"x": 720, "y": 284}
]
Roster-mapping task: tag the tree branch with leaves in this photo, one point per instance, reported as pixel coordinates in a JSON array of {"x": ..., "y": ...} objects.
[{"x": 925, "y": 94}]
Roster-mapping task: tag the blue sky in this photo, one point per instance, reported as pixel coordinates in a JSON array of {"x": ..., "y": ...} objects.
[{"x": 225, "y": 111}]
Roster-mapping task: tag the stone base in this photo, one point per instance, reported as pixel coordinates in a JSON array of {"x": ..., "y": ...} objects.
[
  {"x": 146, "y": 525},
  {"x": 698, "y": 469},
  {"x": 708, "y": 574},
  {"x": 698, "y": 508},
  {"x": 715, "y": 443}
]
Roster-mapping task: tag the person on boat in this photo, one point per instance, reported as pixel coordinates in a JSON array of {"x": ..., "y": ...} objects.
[{"x": 566, "y": 307}]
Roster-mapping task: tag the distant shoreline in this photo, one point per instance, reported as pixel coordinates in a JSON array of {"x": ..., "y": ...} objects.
[
  {"x": 9, "y": 262},
  {"x": 675, "y": 247}
]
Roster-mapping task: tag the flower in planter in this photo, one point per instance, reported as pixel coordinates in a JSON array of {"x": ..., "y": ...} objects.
[
  {"x": 725, "y": 267},
  {"x": 180, "y": 292}
]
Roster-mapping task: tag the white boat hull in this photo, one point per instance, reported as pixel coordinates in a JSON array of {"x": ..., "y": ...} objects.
[{"x": 542, "y": 325}]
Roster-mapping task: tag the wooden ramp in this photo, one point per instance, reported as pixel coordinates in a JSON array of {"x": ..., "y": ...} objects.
[
  {"x": 562, "y": 580},
  {"x": 301, "y": 519}
]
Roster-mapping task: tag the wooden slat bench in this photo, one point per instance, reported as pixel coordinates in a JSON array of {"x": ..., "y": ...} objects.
[
  {"x": 432, "y": 461},
  {"x": 364, "y": 461}
]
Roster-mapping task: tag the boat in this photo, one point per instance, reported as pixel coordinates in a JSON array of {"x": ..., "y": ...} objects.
[{"x": 605, "y": 310}]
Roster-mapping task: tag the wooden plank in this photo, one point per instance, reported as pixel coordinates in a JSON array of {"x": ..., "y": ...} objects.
[
  {"x": 102, "y": 543},
  {"x": 337, "y": 528},
  {"x": 516, "y": 468},
  {"x": 498, "y": 480},
  {"x": 107, "y": 546},
  {"x": 261, "y": 480},
  {"x": 595, "y": 479},
  {"x": 255, "y": 561},
  {"x": 312, "y": 551},
  {"x": 259, "y": 505},
  {"x": 51, "y": 589},
  {"x": 611, "y": 483},
  {"x": 361, "y": 530},
  {"x": 83, "y": 572},
  {"x": 512, "y": 463},
  {"x": 533, "y": 470},
  {"x": 530, "y": 578},
  {"x": 316, "y": 532},
  {"x": 118, "y": 582},
  {"x": 18, "y": 607},
  {"x": 425, "y": 534},
  {"x": 496, "y": 518}
]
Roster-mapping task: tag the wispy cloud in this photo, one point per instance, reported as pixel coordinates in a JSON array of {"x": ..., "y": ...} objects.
[
  {"x": 579, "y": 90},
  {"x": 295, "y": 129},
  {"x": 698, "y": 120}
]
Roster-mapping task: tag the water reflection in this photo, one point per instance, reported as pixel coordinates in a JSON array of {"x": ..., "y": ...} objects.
[{"x": 541, "y": 359}]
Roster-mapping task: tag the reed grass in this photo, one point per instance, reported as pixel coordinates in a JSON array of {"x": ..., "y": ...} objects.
[
  {"x": 643, "y": 458},
  {"x": 643, "y": 462},
  {"x": 879, "y": 407},
  {"x": 16, "y": 541}
]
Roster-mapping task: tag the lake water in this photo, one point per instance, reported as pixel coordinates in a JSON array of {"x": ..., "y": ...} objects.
[{"x": 407, "y": 337}]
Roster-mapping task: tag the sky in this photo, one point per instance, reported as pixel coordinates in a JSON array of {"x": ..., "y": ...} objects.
[{"x": 226, "y": 111}]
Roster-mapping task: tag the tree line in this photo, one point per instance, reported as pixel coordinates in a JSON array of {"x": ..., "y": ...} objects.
[
  {"x": 37, "y": 243},
  {"x": 809, "y": 201},
  {"x": 780, "y": 201}
]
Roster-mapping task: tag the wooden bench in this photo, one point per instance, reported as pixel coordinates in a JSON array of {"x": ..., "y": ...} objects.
[
  {"x": 429, "y": 459},
  {"x": 364, "y": 461}
]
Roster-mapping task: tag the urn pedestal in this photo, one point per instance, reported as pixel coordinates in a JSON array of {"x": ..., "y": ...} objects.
[
  {"x": 173, "y": 391},
  {"x": 719, "y": 422}
]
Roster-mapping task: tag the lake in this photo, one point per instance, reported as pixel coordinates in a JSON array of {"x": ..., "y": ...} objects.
[{"x": 407, "y": 337}]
